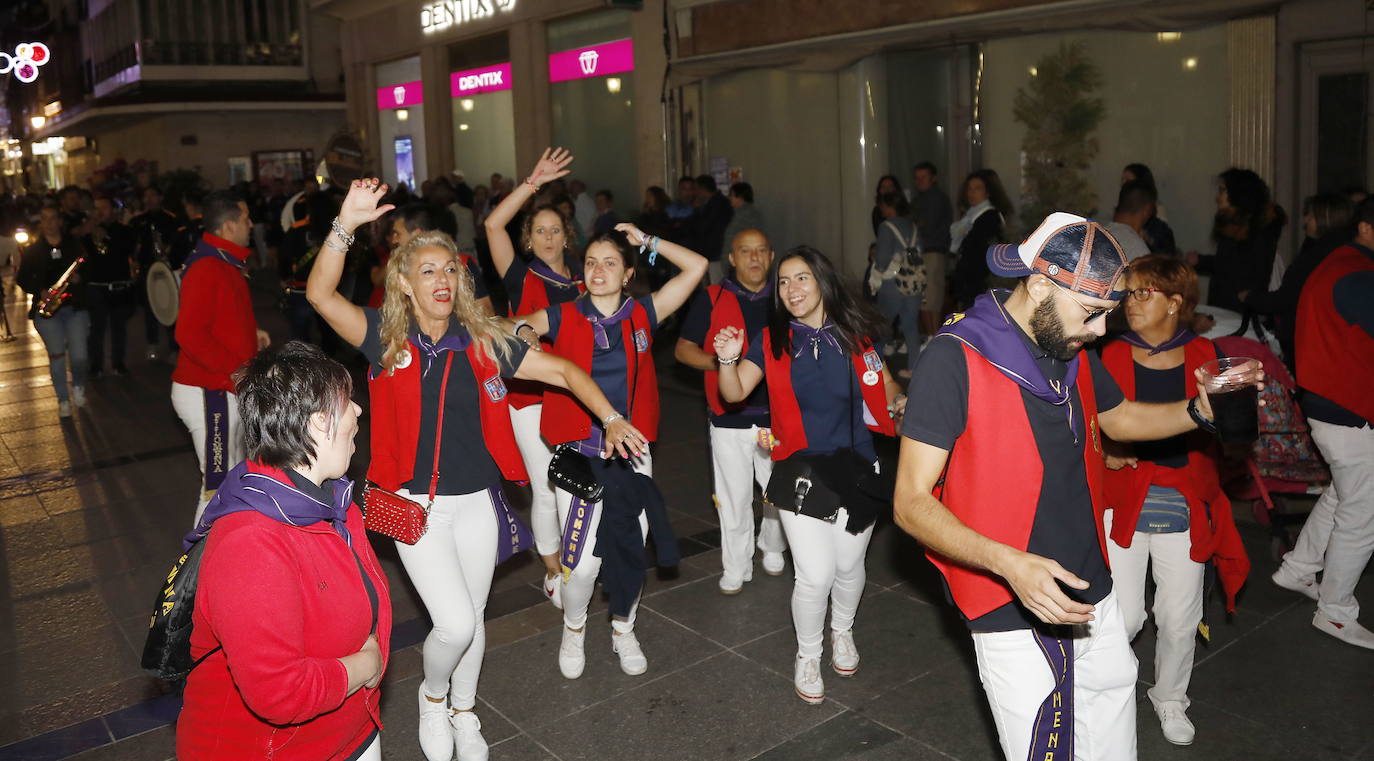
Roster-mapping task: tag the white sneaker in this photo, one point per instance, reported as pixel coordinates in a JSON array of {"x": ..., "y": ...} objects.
[
  {"x": 844, "y": 656},
  {"x": 64, "y": 409},
  {"x": 1174, "y": 721},
  {"x": 467, "y": 736},
  {"x": 436, "y": 736},
  {"x": 730, "y": 585},
  {"x": 553, "y": 589},
  {"x": 632, "y": 660},
  {"x": 571, "y": 656},
  {"x": 1290, "y": 581},
  {"x": 1349, "y": 632},
  {"x": 773, "y": 563},
  {"x": 79, "y": 396},
  {"x": 806, "y": 677}
]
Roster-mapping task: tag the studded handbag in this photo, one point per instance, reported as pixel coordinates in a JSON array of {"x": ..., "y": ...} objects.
[
  {"x": 571, "y": 471},
  {"x": 401, "y": 518}
]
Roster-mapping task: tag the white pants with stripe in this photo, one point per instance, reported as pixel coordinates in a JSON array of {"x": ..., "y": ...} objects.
[
  {"x": 829, "y": 566},
  {"x": 738, "y": 463},
  {"x": 189, "y": 404},
  {"x": 581, "y": 583},
  {"x": 537, "y": 454},
  {"x": 1178, "y": 603},
  {"x": 1017, "y": 679}
]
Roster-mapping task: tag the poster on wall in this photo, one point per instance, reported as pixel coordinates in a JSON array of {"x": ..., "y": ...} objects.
[
  {"x": 405, "y": 161},
  {"x": 288, "y": 166},
  {"x": 240, "y": 169},
  {"x": 720, "y": 171}
]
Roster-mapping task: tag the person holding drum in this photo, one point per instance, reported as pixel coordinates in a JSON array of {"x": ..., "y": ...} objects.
[{"x": 217, "y": 333}]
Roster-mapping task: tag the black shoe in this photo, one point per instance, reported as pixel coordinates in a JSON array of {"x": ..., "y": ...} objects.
[{"x": 121, "y": 371}]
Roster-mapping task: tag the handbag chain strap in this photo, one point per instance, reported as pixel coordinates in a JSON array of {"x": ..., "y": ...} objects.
[{"x": 439, "y": 433}]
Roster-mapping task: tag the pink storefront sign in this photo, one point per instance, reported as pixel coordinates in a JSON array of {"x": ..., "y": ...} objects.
[
  {"x": 474, "y": 81},
  {"x": 400, "y": 96},
  {"x": 595, "y": 61}
]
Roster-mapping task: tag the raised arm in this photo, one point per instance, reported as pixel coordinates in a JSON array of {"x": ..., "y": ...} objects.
[
  {"x": 360, "y": 206},
  {"x": 554, "y": 370},
  {"x": 552, "y": 165},
  {"x": 737, "y": 377},
  {"x": 675, "y": 292}
]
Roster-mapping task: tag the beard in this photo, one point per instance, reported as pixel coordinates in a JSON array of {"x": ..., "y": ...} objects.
[{"x": 1048, "y": 331}]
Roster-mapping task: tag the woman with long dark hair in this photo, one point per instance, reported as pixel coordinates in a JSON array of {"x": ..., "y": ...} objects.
[
  {"x": 985, "y": 208},
  {"x": 888, "y": 183},
  {"x": 829, "y": 391},
  {"x": 1246, "y": 231},
  {"x": 610, "y": 336}
]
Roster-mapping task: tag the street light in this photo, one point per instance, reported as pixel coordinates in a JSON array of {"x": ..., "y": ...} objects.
[{"x": 38, "y": 120}]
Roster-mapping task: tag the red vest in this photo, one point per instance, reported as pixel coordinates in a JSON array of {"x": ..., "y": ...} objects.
[
  {"x": 564, "y": 418},
  {"x": 534, "y": 296},
  {"x": 1211, "y": 528},
  {"x": 786, "y": 414},
  {"x": 1334, "y": 358},
  {"x": 395, "y": 400},
  {"x": 725, "y": 312},
  {"x": 993, "y": 476}
]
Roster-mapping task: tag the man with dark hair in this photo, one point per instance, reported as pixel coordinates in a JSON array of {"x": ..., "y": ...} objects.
[
  {"x": 932, "y": 213},
  {"x": 1135, "y": 204},
  {"x": 746, "y": 215},
  {"x": 157, "y": 231},
  {"x": 110, "y": 249},
  {"x": 712, "y": 216},
  {"x": 686, "y": 202},
  {"x": 217, "y": 333},
  {"x": 606, "y": 218},
  {"x": 415, "y": 218},
  {"x": 69, "y": 201},
  {"x": 1334, "y": 343},
  {"x": 1001, "y": 477}
]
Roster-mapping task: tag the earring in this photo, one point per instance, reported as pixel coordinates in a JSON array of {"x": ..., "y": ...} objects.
[{"x": 1171, "y": 311}]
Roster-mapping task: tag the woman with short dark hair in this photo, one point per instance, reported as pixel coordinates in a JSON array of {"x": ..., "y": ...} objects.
[
  {"x": 986, "y": 208},
  {"x": 292, "y": 616}
]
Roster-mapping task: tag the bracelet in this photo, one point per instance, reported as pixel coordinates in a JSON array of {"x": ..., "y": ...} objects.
[
  {"x": 530, "y": 181},
  {"x": 611, "y": 418},
  {"x": 651, "y": 245},
  {"x": 521, "y": 324},
  {"x": 337, "y": 228},
  {"x": 727, "y": 362},
  {"x": 329, "y": 241},
  {"x": 1202, "y": 422}
]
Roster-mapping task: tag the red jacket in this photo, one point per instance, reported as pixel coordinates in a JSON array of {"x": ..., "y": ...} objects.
[
  {"x": 993, "y": 476},
  {"x": 285, "y": 603},
  {"x": 1211, "y": 526},
  {"x": 564, "y": 418},
  {"x": 1335, "y": 358},
  {"x": 395, "y": 399},
  {"x": 534, "y": 296},
  {"x": 215, "y": 328},
  {"x": 725, "y": 312}
]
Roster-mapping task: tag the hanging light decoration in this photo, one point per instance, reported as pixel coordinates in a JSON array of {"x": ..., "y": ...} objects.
[{"x": 28, "y": 56}]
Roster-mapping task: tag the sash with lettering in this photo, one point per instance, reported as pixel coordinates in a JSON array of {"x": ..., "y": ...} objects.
[
  {"x": 216, "y": 442},
  {"x": 1052, "y": 737}
]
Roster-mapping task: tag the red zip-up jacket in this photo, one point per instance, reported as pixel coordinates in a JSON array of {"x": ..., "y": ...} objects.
[
  {"x": 285, "y": 603},
  {"x": 215, "y": 325}
]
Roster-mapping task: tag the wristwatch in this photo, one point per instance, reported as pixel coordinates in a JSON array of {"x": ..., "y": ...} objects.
[{"x": 1202, "y": 422}]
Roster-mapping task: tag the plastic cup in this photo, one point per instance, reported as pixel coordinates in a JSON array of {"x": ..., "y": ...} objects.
[{"x": 1232, "y": 386}]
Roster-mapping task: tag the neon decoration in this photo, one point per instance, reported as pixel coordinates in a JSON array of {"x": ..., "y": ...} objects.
[{"x": 28, "y": 56}]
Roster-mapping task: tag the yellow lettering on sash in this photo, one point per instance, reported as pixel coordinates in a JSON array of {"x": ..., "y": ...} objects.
[
  {"x": 167, "y": 592},
  {"x": 1056, "y": 719},
  {"x": 1058, "y": 699},
  {"x": 166, "y": 608},
  {"x": 1053, "y": 743}
]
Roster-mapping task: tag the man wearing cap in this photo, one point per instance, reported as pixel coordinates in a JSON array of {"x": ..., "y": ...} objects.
[{"x": 1000, "y": 478}]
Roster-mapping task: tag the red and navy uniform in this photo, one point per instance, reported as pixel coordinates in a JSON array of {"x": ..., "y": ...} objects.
[
  {"x": 215, "y": 328},
  {"x": 712, "y": 309},
  {"x": 1335, "y": 348},
  {"x": 530, "y": 287}
]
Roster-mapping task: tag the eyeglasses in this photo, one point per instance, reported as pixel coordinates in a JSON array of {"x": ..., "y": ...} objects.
[
  {"x": 1143, "y": 294},
  {"x": 1092, "y": 314}
]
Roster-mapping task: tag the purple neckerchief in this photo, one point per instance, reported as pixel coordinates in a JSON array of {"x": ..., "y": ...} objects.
[
  {"x": 989, "y": 330},
  {"x": 803, "y": 332},
  {"x": 732, "y": 285},
  {"x": 599, "y": 323},
  {"x": 1183, "y": 336},
  {"x": 544, "y": 271},
  {"x": 204, "y": 250},
  {"x": 250, "y": 486},
  {"x": 456, "y": 338}
]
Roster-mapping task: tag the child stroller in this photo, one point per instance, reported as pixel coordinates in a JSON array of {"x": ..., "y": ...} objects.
[{"x": 1284, "y": 461}]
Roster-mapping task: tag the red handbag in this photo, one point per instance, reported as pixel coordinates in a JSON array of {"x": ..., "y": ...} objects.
[{"x": 400, "y": 518}]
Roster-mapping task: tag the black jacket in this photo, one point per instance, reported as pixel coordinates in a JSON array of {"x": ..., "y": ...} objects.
[
  {"x": 109, "y": 261},
  {"x": 1244, "y": 259},
  {"x": 43, "y": 263}
]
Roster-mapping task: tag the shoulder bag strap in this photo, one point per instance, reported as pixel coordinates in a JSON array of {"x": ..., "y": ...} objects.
[{"x": 439, "y": 432}]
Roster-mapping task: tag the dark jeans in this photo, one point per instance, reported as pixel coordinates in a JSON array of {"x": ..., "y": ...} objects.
[{"x": 112, "y": 308}]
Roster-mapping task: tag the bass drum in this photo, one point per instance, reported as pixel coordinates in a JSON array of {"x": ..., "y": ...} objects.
[{"x": 164, "y": 292}]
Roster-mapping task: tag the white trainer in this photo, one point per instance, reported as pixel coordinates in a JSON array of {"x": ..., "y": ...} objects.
[
  {"x": 1349, "y": 632},
  {"x": 436, "y": 736},
  {"x": 844, "y": 656},
  {"x": 632, "y": 660},
  {"x": 553, "y": 589},
  {"x": 64, "y": 409},
  {"x": 806, "y": 677},
  {"x": 773, "y": 563},
  {"x": 79, "y": 396},
  {"x": 1290, "y": 581},
  {"x": 1174, "y": 721},
  {"x": 467, "y": 736},
  {"x": 572, "y": 658},
  {"x": 730, "y": 585}
]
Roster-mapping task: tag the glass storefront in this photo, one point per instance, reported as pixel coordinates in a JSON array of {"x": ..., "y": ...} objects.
[
  {"x": 401, "y": 123},
  {"x": 483, "y": 111}
]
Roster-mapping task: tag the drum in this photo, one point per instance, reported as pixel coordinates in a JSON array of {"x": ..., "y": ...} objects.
[{"x": 164, "y": 292}]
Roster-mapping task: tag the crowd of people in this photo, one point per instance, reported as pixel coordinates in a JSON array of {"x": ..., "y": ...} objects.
[{"x": 537, "y": 305}]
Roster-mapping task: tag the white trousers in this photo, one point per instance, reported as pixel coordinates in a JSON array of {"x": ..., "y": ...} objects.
[
  {"x": 829, "y": 566},
  {"x": 577, "y": 590},
  {"x": 374, "y": 750},
  {"x": 537, "y": 455},
  {"x": 1178, "y": 603},
  {"x": 189, "y": 404},
  {"x": 451, "y": 567},
  {"x": 738, "y": 463},
  {"x": 1017, "y": 679},
  {"x": 1338, "y": 536}
]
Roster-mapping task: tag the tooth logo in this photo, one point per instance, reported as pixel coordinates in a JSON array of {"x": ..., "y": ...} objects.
[
  {"x": 588, "y": 60},
  {"x": 399, "y": 93}
]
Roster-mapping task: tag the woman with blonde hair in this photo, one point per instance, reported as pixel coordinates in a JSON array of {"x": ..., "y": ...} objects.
[{"x": 441, "y": 435}]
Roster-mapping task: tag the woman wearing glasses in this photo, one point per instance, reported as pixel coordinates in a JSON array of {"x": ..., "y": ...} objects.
[{"x": 1166, "y": 509}]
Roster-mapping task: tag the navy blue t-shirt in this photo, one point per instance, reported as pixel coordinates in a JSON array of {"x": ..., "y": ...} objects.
[
  {"x": 608, "y": 365},
  {"x": 828, "y": 396},
  {"x": 697, "y": 324},
  {"x": 514, "y": 282}
]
